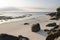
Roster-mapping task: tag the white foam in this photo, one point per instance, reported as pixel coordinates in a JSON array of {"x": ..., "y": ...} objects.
[{"x": 17, "y": 19}]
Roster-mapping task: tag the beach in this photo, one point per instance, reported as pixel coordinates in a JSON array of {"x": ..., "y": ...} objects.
[{"x": 18, "y": 28}]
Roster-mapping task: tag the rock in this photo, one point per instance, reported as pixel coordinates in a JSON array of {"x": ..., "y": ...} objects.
[
  {"x": 8, "y": 37},
  {"x": 54, "y": 30},
  {"x": 54, "y": 33},
  {"x": 26, "y": 23},
  {"x": 51, "y": 24},
  {"x": 50, "y": 37},
  {"x": 35, "y": 27},
  {"x": 11, "y": 37},
  {"x": 53, "y": 36},
  {"x": 52, "y": 14},
  {"x": 46, "y": 30},
  {"x": 54, "y": 18},
  {"x": 56, "y": 27},
  {"x": 22, "y": 37}
]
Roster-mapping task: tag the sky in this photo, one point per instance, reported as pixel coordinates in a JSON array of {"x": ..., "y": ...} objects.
[{"x": 53, "y": 4}]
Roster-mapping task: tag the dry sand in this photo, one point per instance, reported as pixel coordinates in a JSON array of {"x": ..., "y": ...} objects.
[{"x": 18, "y": 28}]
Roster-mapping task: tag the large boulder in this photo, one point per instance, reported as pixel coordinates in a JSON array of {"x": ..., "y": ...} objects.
[
  {"x": 8, "y": 37},
  {"x": 11, "y": 37},
  {"x": 51, "y": 25},
  {"x": 35, "y": 27}
]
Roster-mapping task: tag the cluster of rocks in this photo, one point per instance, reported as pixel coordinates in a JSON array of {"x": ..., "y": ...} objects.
[
  {"x": 52, "y": 14},
  {"x": 53, "y": 36},
  {"x": 11, "y": 37},
  {"x": 55, "y": 15},
  {"x": 54, "y": 33}
]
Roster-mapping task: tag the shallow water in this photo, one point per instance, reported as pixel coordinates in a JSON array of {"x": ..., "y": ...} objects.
[
  {"x": 15, "y": 14},
  {"x": 28, "y": 15}
]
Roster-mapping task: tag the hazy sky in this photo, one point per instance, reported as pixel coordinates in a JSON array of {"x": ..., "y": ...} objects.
[{"x": 30, "y": 3}]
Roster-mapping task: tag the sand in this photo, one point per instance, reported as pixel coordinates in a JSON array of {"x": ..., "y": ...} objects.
[{"x": 18, "y": 28}]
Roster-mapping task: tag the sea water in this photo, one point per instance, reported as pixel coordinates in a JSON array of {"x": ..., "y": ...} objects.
[
  {"x": 15, "y": 14},
  {"x": 28, "y": 15}
]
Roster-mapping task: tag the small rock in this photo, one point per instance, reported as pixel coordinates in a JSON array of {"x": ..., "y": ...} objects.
[
  {"x": 26, "y": 23},
  {"x": 46, "y": 30}
]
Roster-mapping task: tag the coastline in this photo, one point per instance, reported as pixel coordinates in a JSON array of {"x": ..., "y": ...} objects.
[{"x": 18, "y": 27}]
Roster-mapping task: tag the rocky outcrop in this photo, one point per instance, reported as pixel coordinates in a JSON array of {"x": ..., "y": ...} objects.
[
  {"x": 11, "y": 37},
  {"x": 53, "y": 36},
  {"x": 54, "y": 33},
  {"x": 54, "y": 15}
]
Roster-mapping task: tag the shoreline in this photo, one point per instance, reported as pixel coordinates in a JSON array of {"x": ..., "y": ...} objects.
[
  {"x": 17, "y": 19},
  {"x": 18, "y": 27}
]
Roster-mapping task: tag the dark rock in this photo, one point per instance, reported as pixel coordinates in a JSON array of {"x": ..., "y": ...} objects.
[
  {"x": 54, "y": 18},
  {"x": 46, "y": 30},
  {"x": 26, "y": 23},
  {"x": 55, "y": 15},
  {"x": 8, "y": 37},
  {"x": 22, "y": 37},
  {"x": 53, "y": 36},
  {"x": 50, "y": 37},
  {"x": 52, "y": 14},
  {"x": 54, "y": 33},
  {"x": 51, "y": 24},
  {"x": 35, "y": 27},
  {"x": 11, "y": 37},
  {"x": 54, "y": 29}
]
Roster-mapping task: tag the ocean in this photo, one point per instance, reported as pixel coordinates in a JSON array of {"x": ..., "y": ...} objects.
[
  {"x": 20, "y": 15},
  {"x": 16, "y": 14}
]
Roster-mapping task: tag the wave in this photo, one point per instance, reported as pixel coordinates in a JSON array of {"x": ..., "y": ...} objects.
[{"x": 8, "y": 17}]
